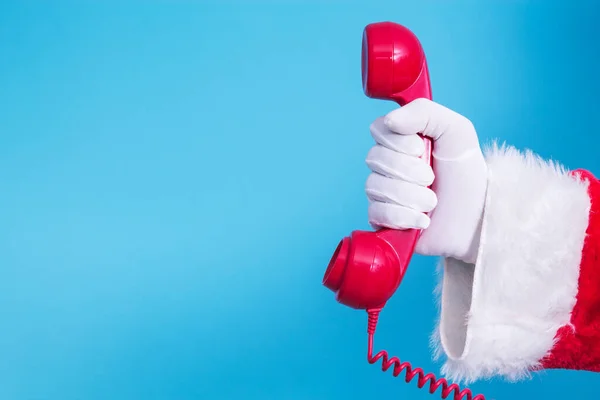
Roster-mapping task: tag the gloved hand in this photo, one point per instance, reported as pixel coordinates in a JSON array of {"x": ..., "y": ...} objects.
[{"x": 398, "y": 189}]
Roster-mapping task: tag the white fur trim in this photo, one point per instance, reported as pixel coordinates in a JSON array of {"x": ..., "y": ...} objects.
[{"x": 500, "y": 316}]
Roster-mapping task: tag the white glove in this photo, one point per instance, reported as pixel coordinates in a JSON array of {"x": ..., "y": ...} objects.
[{"x": 398, "y": 189}]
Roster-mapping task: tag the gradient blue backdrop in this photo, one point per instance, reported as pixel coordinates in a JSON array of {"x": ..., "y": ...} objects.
[{"x": 175, "y": 175}]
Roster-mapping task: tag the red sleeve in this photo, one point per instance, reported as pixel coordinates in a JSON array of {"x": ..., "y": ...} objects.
[
  {"x": 578, "y": 344},
  {"x": 532, "y": 299}
]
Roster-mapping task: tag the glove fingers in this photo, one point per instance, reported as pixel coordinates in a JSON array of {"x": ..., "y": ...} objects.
[
  {"x": 387, "y": 215},
  {"x": 406, "y": 144},
  {"x": 386, "y": 190},
  {"x": 421, "y": 116},
  {"x": 400, "y": 166},
  {"x": 454, "y": 135}
]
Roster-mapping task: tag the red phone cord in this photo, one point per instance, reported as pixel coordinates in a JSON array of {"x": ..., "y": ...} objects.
[{"x": 434, "y": 383}]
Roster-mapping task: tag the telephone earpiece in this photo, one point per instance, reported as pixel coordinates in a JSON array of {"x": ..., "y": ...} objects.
[
  {"x": 367, "y": 267},
  {"x": 393, "y": 64}
]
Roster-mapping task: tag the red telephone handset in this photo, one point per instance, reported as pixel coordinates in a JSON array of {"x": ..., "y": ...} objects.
[{"x": 367, "y": 267}]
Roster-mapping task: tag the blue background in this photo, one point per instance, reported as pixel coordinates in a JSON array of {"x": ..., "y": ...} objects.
[{"x": 175, "y": 175}]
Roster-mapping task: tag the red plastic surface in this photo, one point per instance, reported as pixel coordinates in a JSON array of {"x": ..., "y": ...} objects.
[{"x": 367, "y": 267}]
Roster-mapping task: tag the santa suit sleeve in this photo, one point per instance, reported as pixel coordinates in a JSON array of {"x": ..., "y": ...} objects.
[{"x": 532, "y": 299}]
